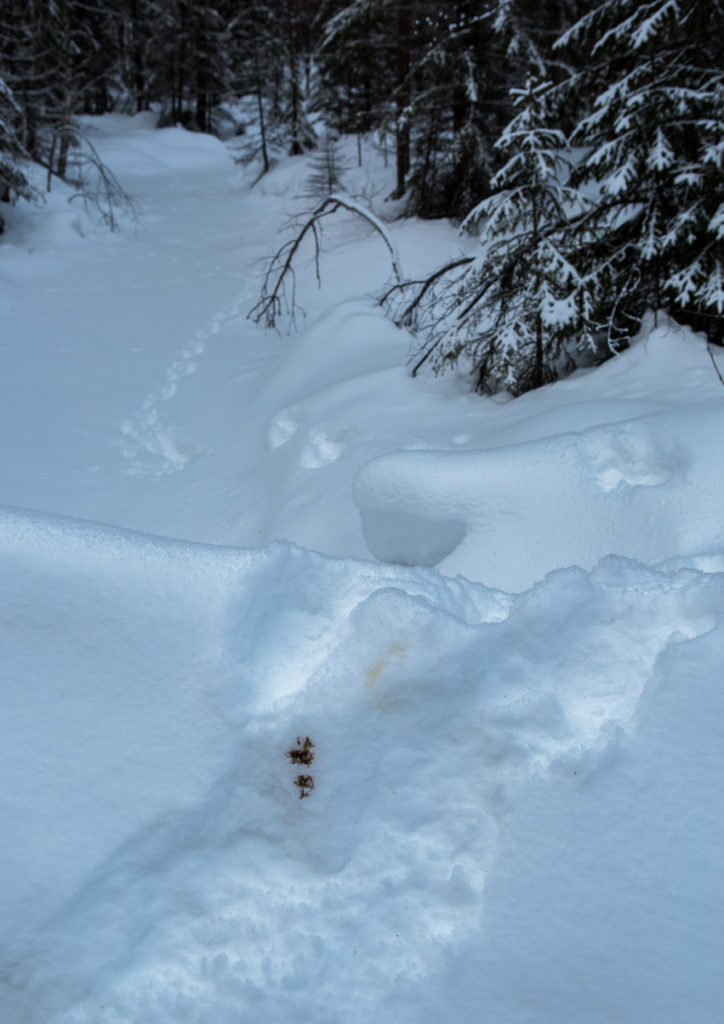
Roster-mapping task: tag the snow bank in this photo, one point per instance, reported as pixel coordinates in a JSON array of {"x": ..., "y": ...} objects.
[
  {"x": 606, "y": 900},
  {"x": 160, "y": 863},
  {"x": 647, "y": 488}
]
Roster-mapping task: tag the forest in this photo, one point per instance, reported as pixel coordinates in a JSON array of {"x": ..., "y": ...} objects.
[{"x": 581, "y": 142}]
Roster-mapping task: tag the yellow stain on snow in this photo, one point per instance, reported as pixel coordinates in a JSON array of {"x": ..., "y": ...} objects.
[{"x": 377, "y": 668}]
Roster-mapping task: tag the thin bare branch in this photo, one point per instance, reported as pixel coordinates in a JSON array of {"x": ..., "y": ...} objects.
[
  {"x": 405, "y": 318},
  {"x": 280, "y": 270}
]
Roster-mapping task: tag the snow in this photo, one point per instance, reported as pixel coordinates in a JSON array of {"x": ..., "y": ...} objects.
[
  {"x": 515, "y": 711},
  {"x": 654, "y": 482}
]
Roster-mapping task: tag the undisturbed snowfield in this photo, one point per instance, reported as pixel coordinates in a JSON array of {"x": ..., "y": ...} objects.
[{"x": 513, "y": 796}]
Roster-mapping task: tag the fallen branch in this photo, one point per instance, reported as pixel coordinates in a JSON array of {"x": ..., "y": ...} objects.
[
  {"x": 96, "y": 183},
  {"x": 278, "y": 290}
]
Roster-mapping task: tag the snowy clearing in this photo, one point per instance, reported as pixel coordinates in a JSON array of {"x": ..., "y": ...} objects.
[{"x": 513, "y": 777}]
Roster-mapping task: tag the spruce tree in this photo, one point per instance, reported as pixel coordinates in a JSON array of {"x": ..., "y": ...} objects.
[
  {"x": 54, "y": 58},
  {"x": 459, "y": 108},
  {"x": 258, "y": 71},
  {"x": 652, "y": 131},
  {"x": 367, "y": 52},
  {"x": 13, "y": 181},
  {"x": 514, "y": 312},
  {"x": 327, "y": 167},
  {"x": 354, "y": 61}
]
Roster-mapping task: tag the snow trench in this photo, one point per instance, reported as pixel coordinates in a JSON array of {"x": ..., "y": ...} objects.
[{"x": 270, "y": 782}]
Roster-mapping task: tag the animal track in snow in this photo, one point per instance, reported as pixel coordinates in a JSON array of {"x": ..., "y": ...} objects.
[
  {"x": 282, "y": 428},
  {"x": 145, "y": 433},
  {"x": 167, "y": 442},
  {"x": 632, "y": 456},
  {"x": 320, "y": 450}
]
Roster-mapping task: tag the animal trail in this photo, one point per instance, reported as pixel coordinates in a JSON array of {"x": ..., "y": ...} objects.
[{"x": 146, "y": 432}]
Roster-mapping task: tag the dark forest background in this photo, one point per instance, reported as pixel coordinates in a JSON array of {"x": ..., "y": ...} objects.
[{"x": 583, "y": 141}]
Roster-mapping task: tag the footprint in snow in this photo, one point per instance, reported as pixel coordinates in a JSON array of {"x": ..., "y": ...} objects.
[
  {"x": 282, "y": 428},
  {"x": 168, "y": 448},
  {"x": 320, "y": 450},
  {"x": 145, "y": 433},
  {"x": 631, "y": 456}
]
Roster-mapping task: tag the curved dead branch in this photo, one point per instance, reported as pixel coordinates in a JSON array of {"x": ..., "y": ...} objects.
[{"x": 278, "y": 290}]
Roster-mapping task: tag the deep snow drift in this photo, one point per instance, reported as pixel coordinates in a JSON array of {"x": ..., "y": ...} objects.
[{"x": 511, "y": 796}]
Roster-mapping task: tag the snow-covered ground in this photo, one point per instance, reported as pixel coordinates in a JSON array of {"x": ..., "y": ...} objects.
[{"x": 514, "y": 771}]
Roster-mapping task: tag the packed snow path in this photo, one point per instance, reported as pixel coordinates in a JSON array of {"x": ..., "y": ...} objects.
[
  {"x": 512, "y": 811},
  {"x": 100, "y": 335}
]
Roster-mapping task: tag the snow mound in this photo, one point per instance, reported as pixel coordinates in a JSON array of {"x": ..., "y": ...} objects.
[
  {"x": 646, "y": 489},
  {"x": 158, "y": 700}
]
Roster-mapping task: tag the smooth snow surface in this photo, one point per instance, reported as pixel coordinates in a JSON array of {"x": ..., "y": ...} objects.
[{"x": 515, "y": 814}]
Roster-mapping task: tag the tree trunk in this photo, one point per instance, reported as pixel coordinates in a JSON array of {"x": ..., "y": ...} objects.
[
  {"x": 402, "y": 98},
  {"x": 260, "y": 109},
  {"x": 137, "y": 58}
]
